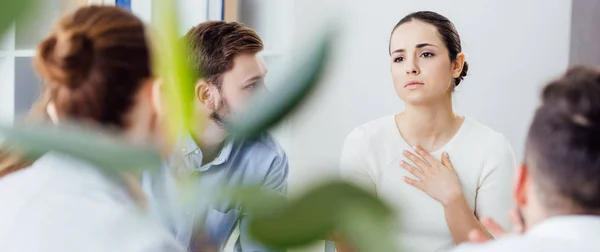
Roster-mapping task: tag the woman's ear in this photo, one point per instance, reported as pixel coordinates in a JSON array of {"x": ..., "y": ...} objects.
[
  {"x": 458, "y": 65},
  {"x": 157, "y": 101},
  {"x": 52, "y": 113}
]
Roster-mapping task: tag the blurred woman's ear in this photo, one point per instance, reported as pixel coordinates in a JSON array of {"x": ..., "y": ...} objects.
[
  {"x": 157, "y": 102},
  {"x": 52, "y": 113}
]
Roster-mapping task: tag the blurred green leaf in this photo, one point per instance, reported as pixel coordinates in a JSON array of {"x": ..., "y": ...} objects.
[
  {"x": 100, "y": 148},
  {"x": 317, "y": 214},
  {"x": 10, "y": 10},
  {"x": 291, "y": 90},
  {"x": 173, "y": 68},
  {"x": 366, "y": 231},
  {"x": 253, "y": 199}
]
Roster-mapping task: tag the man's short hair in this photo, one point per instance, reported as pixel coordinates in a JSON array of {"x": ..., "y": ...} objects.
[
  {"x": 563, "y": 143},
  {"x": 214, "y": 45}
]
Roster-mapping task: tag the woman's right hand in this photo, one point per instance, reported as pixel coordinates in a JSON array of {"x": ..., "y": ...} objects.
[{"x": 496, "y": 230}]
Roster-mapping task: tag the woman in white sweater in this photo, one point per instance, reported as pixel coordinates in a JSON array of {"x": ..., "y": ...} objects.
[
  {"x": 441, "y": 171},
  {"x": 96, "y": 69}
]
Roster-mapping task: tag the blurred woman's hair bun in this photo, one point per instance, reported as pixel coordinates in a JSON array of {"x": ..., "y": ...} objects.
[{"x": 67, "y": 58}]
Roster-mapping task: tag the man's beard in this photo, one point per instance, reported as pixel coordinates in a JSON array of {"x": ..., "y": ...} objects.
[{"x": 220, "y": 116}]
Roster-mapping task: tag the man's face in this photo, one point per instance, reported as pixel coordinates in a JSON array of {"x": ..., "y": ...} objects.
[{"x": 239, "y": 84}]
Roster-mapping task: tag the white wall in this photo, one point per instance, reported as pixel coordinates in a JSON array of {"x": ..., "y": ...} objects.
[
  {"x": 513, "y": 47},
  {"x": 7, "y": 70},
  {"x": 585, "y": 33}
]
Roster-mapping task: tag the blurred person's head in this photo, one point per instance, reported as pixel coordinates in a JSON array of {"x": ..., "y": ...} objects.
[
  {"x": 561, "y": 170},
  {"x": 96, "y": 69},
  {"x": 227, "y": 55},
  {"x": 426, "y": 58}
]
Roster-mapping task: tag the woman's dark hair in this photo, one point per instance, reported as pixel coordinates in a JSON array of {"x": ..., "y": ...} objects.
[
  {"x": 446, "y": 30},
  {"x": 563, "y": 143},
  {"x": 93, "y": 64}
]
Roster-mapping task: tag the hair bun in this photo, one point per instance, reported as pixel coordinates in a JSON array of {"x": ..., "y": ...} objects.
[
  {"x": 462, "y": 75},
  {"x": 71, "y": 59},
  {"x": 575, "y": 96}
]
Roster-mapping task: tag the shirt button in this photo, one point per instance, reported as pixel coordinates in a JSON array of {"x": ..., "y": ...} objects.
[{"x": 196, "y": 151}]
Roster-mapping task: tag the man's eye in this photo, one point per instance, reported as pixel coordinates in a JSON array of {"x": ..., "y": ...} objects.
[{"x": 251, "y": 86}]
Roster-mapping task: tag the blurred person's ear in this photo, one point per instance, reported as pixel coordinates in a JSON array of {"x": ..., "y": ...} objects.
[
  {"x": 157, "y": 98},
  {"x": 52, "y": 113},
  {"x": 522, "y": 182}
]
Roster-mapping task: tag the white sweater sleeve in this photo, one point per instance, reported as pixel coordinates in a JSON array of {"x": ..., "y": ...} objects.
[
  {"x": 494, "y": 190},
  {"x": 353, "y": 166}
]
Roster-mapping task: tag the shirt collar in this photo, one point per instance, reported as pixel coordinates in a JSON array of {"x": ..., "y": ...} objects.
[
  {"x": 582, "y": 228},
  {"x": 193, "y": 154}
]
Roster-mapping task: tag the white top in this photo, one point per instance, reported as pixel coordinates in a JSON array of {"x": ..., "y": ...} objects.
[
  {"x": 482, "y": 158},
  {"x": 557, "y": 234},
  {"x": 63, "y": 204}
]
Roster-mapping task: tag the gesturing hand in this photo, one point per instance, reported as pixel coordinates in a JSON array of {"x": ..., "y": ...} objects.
[
  {"x": 497, "y": 231},
  {"x": 437, "y": 179}
]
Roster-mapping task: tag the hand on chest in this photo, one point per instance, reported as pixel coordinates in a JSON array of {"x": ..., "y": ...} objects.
[{"x": 463, "y": 175}]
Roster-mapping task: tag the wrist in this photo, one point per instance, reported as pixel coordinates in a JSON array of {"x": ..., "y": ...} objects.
[{"x": 453, "y": 200}]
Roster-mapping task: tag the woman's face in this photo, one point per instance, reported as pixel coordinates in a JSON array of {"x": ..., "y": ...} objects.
[{"x": 421, "y": 68}]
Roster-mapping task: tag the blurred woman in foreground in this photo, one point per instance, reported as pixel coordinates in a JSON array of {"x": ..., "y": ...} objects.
[{"x": 96, "y": 70}]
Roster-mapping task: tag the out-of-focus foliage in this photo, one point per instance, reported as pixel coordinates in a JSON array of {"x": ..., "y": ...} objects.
[
  {"x": 10, "y": 10},
  {"x": 331, "y": 207},
  {"x": 171, "y": 64}
]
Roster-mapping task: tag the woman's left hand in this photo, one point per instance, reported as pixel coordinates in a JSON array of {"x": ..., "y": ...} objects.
[{"x": 437, "y": 179}]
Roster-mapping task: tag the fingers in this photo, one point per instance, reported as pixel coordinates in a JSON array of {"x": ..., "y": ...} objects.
[
  {"x": 414, "y": 171},
  {"x": 415, "y": 183},
  {"x": 429, "y": 159},
  {"x": 416, "y": 160},
  {"x": 493, "y": 227},
  {"x": 476, "y": 236},
  {"x": 425, "y": 155},
  {"x": 516, "y": 220},
  {"x": 446, "y": 161}
]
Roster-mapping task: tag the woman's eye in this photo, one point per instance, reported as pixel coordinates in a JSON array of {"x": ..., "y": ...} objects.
[
  {"x": 398, "y": 59},
  {"x": 426, "y": 55}
]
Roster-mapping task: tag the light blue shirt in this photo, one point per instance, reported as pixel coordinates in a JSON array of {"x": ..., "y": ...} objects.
[{"x": 260, "y": 162}]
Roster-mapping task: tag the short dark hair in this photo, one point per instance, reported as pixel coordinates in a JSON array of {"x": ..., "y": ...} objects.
[
  {"x": 214, "y": 45},
  {"x": 446, "y": 30},
  {"x": 563, "y": 143}
]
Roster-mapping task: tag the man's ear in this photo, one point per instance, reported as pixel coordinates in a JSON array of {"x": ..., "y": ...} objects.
[
  {"x": 202, "y": 93},
  {"x": 208, "y": 94},
  {"x": 522, "y": 182}
]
